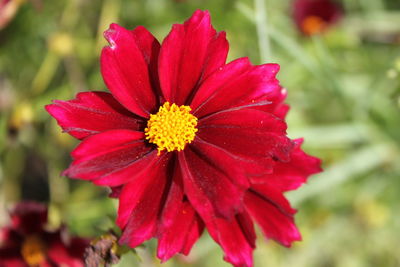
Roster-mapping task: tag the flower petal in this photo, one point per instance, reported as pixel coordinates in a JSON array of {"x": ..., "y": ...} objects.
[
  {"x": 150, "y": 48},
  {"x": 291, "y": 175},
  {"x": 248, "y": 132},
  {"x": 111, "y": 158},
  {"x": 188, "y": 53},
  {"x": 115, "y": 191},
  {"x": 277, "y": 106},
  {"x": 11, "y": 259},
  {"x": 218, "y": 79},
  {"x": 61, "y": 255},
  {"x": 195, "y": 231},
  {"x": 235, "y": 235},
  {"x": 180, "y": 226},
  {"x": 227, "y": 162},
  {"x": 217, "y": 54},
  {"x": 141, "y": 202},
  {"x": 11, "y": 241},
  {"x": 273, "y": 213},
  {"x": 214, "y": 178},
  {"x": 234, "y": 85},
  {"x": 183, "y": 231},
  {"x": 237, "y": 239},
  {"x": 91, "y": 113},
  {"x": 126, "y": 72},
  {"x": 28, "y": 217}
]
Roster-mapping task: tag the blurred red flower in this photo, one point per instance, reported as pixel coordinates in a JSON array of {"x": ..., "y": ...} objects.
[
  {"x": 26, "y": 242},
  {"x": 315, "y": 16},
  {"x": 187, "y": 141}
]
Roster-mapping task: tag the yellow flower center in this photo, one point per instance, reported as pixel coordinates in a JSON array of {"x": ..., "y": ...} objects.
[
  {"x": 33, "y": 250},
  {"x": 171, "y": 128},
  {"x": 313, "y": 25}
]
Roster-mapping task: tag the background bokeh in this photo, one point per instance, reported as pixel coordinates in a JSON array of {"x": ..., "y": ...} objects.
[{"x": 344, "y": 92}]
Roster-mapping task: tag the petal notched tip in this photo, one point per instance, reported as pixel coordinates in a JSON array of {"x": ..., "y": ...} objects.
[
  {"x": 293, "y": 235},
  {"x": 69, "y": 173},
  {"x": 52, "y": 108},
  {"x": 111, "y": 34},
  {"x": 199, "y": 16}
]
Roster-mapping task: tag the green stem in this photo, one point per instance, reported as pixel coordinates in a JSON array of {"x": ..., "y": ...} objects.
[{"x": 262, "y": 30}]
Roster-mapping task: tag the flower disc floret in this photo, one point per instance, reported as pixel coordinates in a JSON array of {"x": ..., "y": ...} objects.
[{"x": 171, "y": 128}]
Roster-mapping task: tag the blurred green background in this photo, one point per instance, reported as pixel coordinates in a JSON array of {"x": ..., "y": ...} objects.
[{"x": 344, "y": 92}]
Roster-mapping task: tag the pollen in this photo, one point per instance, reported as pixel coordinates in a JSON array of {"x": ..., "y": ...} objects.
[
  {"x": 171, "y": 128},
  {"x": 33, "y": 251}
]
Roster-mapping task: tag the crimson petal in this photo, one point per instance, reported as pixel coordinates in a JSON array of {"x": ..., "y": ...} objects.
[
  {"x": 248, "y": 132},
  {"x": 213, "y": 179},
  {"x": 237, "y": 238},
  {"x": 126, "y": 71},
  {"x": 11, "y": 259},
  {"x": 218, "y": 79},
  {"x": 193, "y": 234},
  {"x": 91, "y": 113},
  {"x": 141, "y": 202},
  {"x": 190, "y": 52},
  {"x": 236, "y": 84},
  {"x": 235, "y": 235},
  {"x": 180, "y": 233},
  {"x": 217, "y": 54},
  {"x": 290, "y": 175},
  {"x": 273, "y": 213},
  {"x": 180, "y": 226},
  {"x": 111, "y": 158},
  {"x": 61, "y": 255},
  {"x": 150, "y": 48},
  {"x": 277, "y": 105},
  {"x": 28, "y": 217}
]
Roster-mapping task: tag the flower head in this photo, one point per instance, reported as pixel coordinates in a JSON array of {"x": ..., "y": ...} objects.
[
  {"x": 187, "y": 142},
  {"x": 315, "y": 16},
  {"x": 26, "y": 242}
]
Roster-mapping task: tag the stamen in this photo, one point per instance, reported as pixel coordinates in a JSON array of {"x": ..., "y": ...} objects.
[{"x": 171, "y": 128}]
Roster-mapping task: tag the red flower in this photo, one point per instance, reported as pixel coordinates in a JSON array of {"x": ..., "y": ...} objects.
[
  {"x": 315, "y": 16},
  {"x": 26, "y": 242},
  {"x": 187, "y": 141}
]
